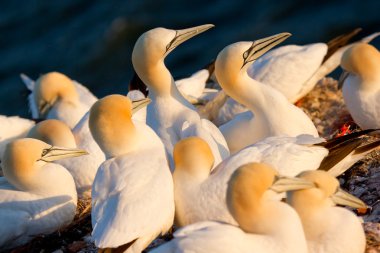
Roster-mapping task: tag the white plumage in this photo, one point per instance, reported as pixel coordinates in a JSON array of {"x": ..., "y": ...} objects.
[
  {"x": 169, "y": 110},
  {"x": 132, "y": 194},
  {"x": 35, "y": 197}
]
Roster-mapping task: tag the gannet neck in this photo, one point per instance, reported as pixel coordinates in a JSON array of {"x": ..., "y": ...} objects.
[
  {"x": 149, "y": 53},
  {"x": 193, "y": 158},
  {"x": 246, "y": 199},
  {"x": 53, "y": 87},
  {"x": 111, "y": 125},
  {"x": 53, "y": 132},
  {"x": 363, "y": 60},
  {"x": 24, "y": 161}
]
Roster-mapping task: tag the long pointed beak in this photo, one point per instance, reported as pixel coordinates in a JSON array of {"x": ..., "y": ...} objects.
[
  {"x": 284, "y": 184},
  {"x": 186, "y": 34},
  {"x": 342, "y": 78},
  {"x": 261, "y": 46},
  {"x": 345, "y": 199},
  {"x": 57, "y": 153},
  {"x": 139, "y": 104}
]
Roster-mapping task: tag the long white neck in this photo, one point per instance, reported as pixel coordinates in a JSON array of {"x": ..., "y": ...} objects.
[{"x": 160, "y": 82}]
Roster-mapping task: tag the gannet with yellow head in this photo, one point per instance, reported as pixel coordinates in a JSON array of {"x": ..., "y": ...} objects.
[
  {"x": 36, "y": 196},
  {"x": 83, "y": 169},
  {"x": 199, "y": 192},
  {"x": 265, "y": 224},
  {"x": 271, "y": 114},
  {"x": 132, "y": 194},
  {"x": 361, "y": 84},
  {"x": 55, "y": 96},
  {"x": 328, "y": 228},
  {"x": 170, "y": 115}
]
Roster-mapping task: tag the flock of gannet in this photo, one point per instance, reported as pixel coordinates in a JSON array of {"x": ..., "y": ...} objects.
[{"x": 151, "y": 159}]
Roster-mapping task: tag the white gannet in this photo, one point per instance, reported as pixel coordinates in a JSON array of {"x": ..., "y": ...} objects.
[
  {"x": 55, "y": 96},
  {"x": 83, "y": 169},
  {"x": 12, "y": 127},
  {"x": 328, "y": 228},
  {"x": 271, "y": 114},
  {"x": 132, "y": 194},
  {"x": 266, "y": 225},
  {"x": 293, "y": 70},
  {"x": 170, "y": 115},
  {"x": 36, "y": 197},
  {"x": 361, "y": 84},
  {"x": 199, "y": 193}
]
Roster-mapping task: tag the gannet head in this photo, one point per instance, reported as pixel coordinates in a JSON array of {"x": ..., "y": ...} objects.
[
  {"x": 363, "y": 60},
  {"x": 52, "y": 87},
  {"x": 325, "y": 193},
  {"x": 246, "y": 193},
  {"x": 237, "y": 57},
  {"x": 194, "y": 157},
  {"x": 53, "y": 132},
  {"x": 111, "y": 124},
  {"x": 23, "y": 158},
  {"x": 153, "y": 46}
]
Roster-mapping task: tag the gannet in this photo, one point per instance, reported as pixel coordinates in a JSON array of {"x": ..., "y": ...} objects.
[
  {"x": 11, "y": 128},
  {"x": 36, "y": 197},
  {"x": 132, "y": 194},
  {"x": 170, "y": 115},
  {"x": 55, "y": 96},
  {"x": 265, "y": 225},
  {"x": 328, "y": 228},
  {"x": 292, "y": 69},
  {"x": 270, "y": 113},
  {"x": 361, "y": 84},
  {"x": 199, "y": 193},
  {"x": 83, "y": 169}
]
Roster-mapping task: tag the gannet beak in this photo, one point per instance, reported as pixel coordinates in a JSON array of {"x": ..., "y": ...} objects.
[
  {"x": 185, "y": 34},
  {"x": 43, "y": 108},
  {"x": 284, "y": 184},
  {"x": 139, "y": 104},
  {"x": 261, "y": 46},
  {"x": 57, "y": 153},
  {"x": 345, "y": 199},
  {"x": 342, "y": 78}
]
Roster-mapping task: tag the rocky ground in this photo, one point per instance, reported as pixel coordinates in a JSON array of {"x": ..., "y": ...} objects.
[{"x": 325, "y": 106}]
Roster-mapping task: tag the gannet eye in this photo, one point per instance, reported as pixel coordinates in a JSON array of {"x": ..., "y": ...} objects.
[{"x": 245, "y": 55}]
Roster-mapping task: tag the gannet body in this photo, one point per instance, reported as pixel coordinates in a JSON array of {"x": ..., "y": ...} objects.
[
  {"x": 11, "y": 128},
  {"x": 199, "y": 193},
  {"x": 132, "y": 194},
  {"x": 328, "y": 228},
  {"x": 36, "y": 197},
  {"x": 170, "y": 113},
  {"x": 266, "y": 225},
  {"x": 361, "y": 87},
  {"x": 271, "y": 114},
  {"x": 55, "y": 96},
  {"x": 83, "y": 169}
]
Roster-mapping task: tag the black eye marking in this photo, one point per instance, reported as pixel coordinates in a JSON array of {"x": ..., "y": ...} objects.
[{"x": 172, "y": 41}]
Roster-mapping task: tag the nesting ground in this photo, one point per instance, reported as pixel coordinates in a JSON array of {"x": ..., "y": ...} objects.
[{"x": 326, "y": 108}]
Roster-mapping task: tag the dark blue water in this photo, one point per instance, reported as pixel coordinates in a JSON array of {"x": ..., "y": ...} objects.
[{"x": 92, "y": 41}]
